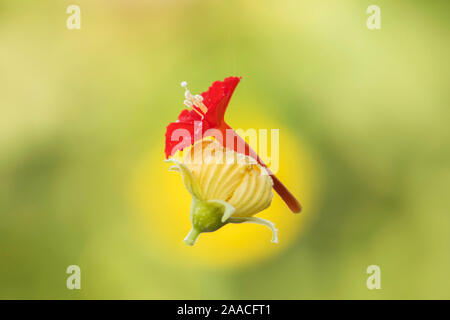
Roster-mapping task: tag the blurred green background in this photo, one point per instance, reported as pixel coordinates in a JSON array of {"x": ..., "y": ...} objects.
[{"x": 81, "y": 108}]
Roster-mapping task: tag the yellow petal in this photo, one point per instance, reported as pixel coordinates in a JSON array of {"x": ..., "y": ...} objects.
[{"x": 223, "y": 174}]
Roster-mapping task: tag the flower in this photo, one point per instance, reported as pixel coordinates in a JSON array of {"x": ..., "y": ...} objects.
[
  {"x": 226, "y": 187},
  {"x": 206, "y": 114}
]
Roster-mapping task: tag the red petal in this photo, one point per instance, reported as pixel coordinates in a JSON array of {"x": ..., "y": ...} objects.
[
  {"x": 180, "y": 135},
  {"x": 189, "y": 116},
  {"x": 216, "y": 100},
  {"x": 174, "y": 140}
]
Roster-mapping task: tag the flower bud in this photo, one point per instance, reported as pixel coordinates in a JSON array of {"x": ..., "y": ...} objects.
[{"x": 226, "y": 187}]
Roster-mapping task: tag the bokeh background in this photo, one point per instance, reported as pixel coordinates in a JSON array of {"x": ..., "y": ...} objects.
[{"x": 363, "y": 118}]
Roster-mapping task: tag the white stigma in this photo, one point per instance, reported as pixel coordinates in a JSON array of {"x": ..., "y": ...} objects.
[{"x": 191, "y": 100}]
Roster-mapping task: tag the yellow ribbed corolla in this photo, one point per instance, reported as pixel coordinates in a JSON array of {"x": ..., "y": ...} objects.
[{"x": 226, "y": 187}]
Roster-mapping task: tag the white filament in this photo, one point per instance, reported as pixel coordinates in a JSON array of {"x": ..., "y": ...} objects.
[{"x": 191, "y": 100}]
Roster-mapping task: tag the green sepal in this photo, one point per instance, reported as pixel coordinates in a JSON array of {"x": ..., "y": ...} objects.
[
  {"x": 260, "y": 221},
  {"x": 207, "y": 216}
]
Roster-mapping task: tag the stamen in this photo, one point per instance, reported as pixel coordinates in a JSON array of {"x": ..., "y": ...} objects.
[
  {"x": 188, "y": 95},
  {"x": 188, "y": 103},
  {"x": 199, "y": 104},
  {"x": 199, "y": 113},
  {"x": 196, "y": 100}
]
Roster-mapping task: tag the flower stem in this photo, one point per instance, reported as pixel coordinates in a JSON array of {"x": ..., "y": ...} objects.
[{"x": 191, "y": 238}]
